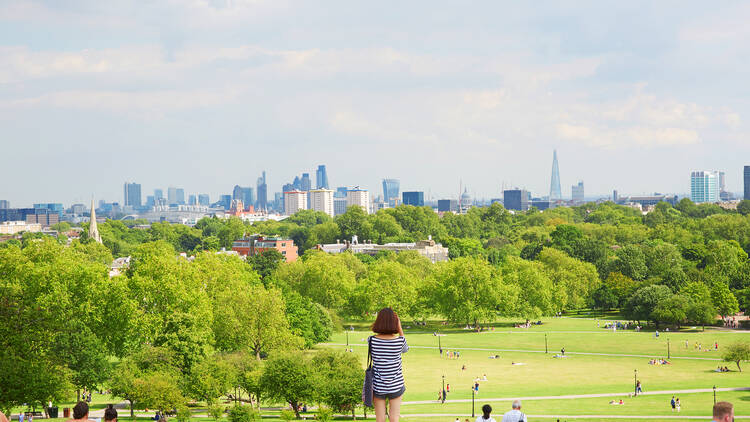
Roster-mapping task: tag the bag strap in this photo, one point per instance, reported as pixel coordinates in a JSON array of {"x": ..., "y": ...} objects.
[{"x": 369, "y": 352}]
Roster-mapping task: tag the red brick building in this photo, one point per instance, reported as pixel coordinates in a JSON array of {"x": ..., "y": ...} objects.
[{"x": 255, "y": 245}]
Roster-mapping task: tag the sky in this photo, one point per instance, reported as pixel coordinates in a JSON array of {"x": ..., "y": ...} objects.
[{"x": 205, "y": 94}]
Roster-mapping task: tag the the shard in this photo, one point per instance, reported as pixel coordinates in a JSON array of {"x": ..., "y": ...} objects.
[{"x": 554, "y": 186}]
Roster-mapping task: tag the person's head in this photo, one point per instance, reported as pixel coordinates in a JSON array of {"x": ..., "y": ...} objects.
[
  {"x": 386, "y": 322},
  {"x": 81, "y": 410},
  {"x": 517, "y": 404},
  {"x": 486, "y": 410},
  {"x": 110, "y": 415},
  {"x": 723, "y": 412}
]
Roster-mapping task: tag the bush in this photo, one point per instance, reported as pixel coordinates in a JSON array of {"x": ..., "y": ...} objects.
[
  {"x": 242, "y": 413},
  {"x": 287, "y": 415},
  {"x": 216, "y": 411},
  {"x": 184, "y": 414},
  {"x": 324, "y": 414}
]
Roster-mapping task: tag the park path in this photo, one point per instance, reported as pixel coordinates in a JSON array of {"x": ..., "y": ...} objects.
[
  {"x": 572, "y": 417},
  {"x": 535, "y": 351},
  {"x": 584, "y": 396}
]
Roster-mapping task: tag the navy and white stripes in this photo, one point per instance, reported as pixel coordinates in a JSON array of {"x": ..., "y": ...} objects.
[{"x": 388, "y": 376}]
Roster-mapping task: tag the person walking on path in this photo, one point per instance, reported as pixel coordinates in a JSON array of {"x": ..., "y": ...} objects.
[
  {"x": 562, "y": 351},
  {"x": 638, "y": 389},
  {"x": 387, "y": 345},
  {"x": 723, "y": 412},
  {"x": 486, "y": 410},
  {"x": 673, "y": 403},
  {"x": 677, "y": 403},
  {"x": 515, "y": 414}
]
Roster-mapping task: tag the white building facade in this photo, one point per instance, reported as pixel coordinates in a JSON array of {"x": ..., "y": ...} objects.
[
  {"x": 322, "y": 200},
  {"x": 294, "y": 201},
  {"x": 359, "y": 197}
]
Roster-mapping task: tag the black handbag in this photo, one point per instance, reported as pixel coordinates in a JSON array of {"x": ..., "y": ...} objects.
[{"x": 367, "y": 384}]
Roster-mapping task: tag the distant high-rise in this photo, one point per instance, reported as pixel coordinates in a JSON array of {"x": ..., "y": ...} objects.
[
  {"x": 225, "y": 201},
  {"x": 181, "y": 196},
  {"x": 413, "y": 198},
  {"x": 171, "y": 195},
  {"x": 296, "y": 184},
  {"x": 150, "y": 201},
  {"x": 447, "y": 205},
  {"x": 192, "y": 200},
  {"x": 747, "y": 182},
  {"x": 321, "y": 177},
  {"x": 322, "y": 200},
  {"x": 340, "y": 192},
  {"x": 390, "y": 191},
  {"x": 578, "y": 192},
  {"x": 704, "y": 186},
  {"x": 554, "y": 188},
  {"x": 262, "y": 192},
  {"x": 294, "y": 201},
  {"x": 4, "y": 204},
  {"x": 516, "y": 199},
  {"x": 614, "y": 196},
  {"x": 203, "y": 199},
  {"x": 359, "y": 197},
  {"x": 158, "y": 194},
  {"x": 244, "y": 194},
  {"x": 132, "y": 194},
  {"x": 237, "y": 193},
  {"x": 305, "y": 182},
  {"x": 722, "y": 181}
]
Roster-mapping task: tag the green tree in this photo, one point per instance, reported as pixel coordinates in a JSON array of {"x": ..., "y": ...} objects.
[
  {"x": 631, "y": 262},
  {"x": 210, "y": 379},
  {"x": 737, "y": 352},
  {"x": 340, "y": 378},
  {"x": 603, "y": 298},
  {"x": 532, "y": 286},
  {"x": 641, "y": 305},
  {"x": 573, "y": 280},
  {"x": 288, "y": 378},
  {"x": 470, "y": 290},
  {"x": 723, "y": 299},
  {"x": 323, "y": 278},
  {"x": 672, "y": 310},
  {"x": 266, "y": 262},
  {"x": 744, "y": 207}
]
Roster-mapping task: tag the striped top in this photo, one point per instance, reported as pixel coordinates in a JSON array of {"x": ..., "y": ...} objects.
[{"x": 387, "y": 375}]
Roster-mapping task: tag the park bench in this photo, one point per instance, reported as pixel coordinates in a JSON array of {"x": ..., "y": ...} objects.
[{"x": 35, "y": 414}]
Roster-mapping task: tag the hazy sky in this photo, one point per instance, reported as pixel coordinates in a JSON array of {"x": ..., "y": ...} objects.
[{"x": 207, "y": 94}]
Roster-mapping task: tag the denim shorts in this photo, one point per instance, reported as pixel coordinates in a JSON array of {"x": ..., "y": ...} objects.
[{"x": 390, "y": 395}]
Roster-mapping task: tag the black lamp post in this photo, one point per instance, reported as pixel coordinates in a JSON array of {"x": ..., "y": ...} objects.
[
  {"x": 668, "y": 356},
  {"x": 442, "y": 396},
  {"x": 545, "y": 342},
  {"x": 635, "y": 380},
  {"x": 347, "y": 340},
  {"x": 714, "y": 394}
]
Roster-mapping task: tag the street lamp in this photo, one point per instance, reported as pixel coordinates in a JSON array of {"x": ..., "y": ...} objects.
[
  {"x": 668, "y": 349},
  {"x": 440, "y": 347},
  {"x": 635, "y": 381},
  {"x": 545, "y": 342},
  {"x": 347, "y": 340},
  {"x": 442, "y": 396},
  {"x": 714, "y": 394}
]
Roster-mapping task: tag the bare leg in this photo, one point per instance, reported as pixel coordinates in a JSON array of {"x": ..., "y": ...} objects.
[
  {"x": 379, "y": 405},
  {"x": 394, "y": 409}
]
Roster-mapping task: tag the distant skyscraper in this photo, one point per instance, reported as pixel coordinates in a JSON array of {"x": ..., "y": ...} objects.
[
  {"x": 340, "y": 192},
  {"x": 150, "y": 201},
  {"x": 4, "y": 204},
  {"x": 237, "y": 193},
  {"x": 322, "y": 200},
  {"x": 171, "y": 195},
  {"x": 294, "y": 201},
  {"x": 554, "y": 188},
  {"x": 132, "y": 194},
  {"x": 413, "y": 198},
  {"x": 181, "y": 196},
  {"x": 192, "y": 200},
  {"x": 321, "y": 177},
  {"x": 204, "y": 200},
  {"x": 614, "y": 196},
  {"x": 305, "y": 182},
  {"x": 297, "y": 184},
  {"x": 447, "y": 205},
  {"x": 339, "y": 205},
  {"x": 722, "y": 181},
  {"x": 225, "y": 201},
  {"x": 158, "y": 194},
  {"x": 359, "y": 197},
  {"x": 244, "y": 194},
  {"x": 704, "y": 186},
  {"x": 262, "y": 192},
  {"x": 578, "y": 192},
  {"x": 516, "y": 199},
  {"x": 390, "y": 191},
  {"x": 747, "y": 182}
]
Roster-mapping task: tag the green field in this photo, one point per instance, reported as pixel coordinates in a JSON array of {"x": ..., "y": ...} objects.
[{"x": 597, "y": 363}]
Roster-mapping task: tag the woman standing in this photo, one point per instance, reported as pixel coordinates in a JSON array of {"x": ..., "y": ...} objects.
[{"x": 387, "y": 345}]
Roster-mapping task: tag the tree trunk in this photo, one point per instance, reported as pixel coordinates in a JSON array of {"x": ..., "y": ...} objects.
[
  {"x": 738, "y": 366},
  {"x": 132, "y": 411},
  {"x": 296, "y": 409},
  {"x": 78, "y": 395}
]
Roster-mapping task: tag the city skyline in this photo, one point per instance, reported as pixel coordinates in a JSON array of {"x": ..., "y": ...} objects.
[{"x": 435, "y": 95}]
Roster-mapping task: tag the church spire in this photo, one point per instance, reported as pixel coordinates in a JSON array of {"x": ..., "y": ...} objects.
[{"x": 93, "y": 230}]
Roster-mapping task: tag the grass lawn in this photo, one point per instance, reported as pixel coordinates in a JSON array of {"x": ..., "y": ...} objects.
[{"x": 544, "y": 375}]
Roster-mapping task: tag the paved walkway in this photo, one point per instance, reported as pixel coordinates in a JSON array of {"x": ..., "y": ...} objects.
[
  {"x": 534, "y": 351},
  {"x": 572, "y": 417},
  {"x": 584, "y": 396}
]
